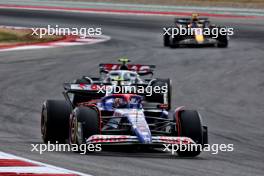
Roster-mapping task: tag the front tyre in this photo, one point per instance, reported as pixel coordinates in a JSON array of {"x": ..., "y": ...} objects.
[
  {"x": 55, "y": 121},
  {"x": 84, "y": 123},
  {"x": 191, "y": 126}
]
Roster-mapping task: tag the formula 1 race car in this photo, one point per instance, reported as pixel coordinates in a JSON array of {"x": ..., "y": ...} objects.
[
  {"x": 195, "y": 31},
  {"x": 130, "y": 75},
  {"x": 120, "y": 119}
]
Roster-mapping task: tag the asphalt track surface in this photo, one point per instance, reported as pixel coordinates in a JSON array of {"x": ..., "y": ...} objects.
[{"x": 225, "y": 85}]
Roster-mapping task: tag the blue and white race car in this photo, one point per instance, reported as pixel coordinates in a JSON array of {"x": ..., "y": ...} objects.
[{"x": 121, "y": 119}]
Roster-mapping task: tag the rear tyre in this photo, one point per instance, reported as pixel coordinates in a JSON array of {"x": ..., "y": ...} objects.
[
  {"x": 166, "y": 37},
  {"x": 84, "y": 123},
  {"x": 222, "y": 43},
  {"x": 174, "y": 42},
  {"x": 166, "y": 40},
  {"x": 222, "y": 40},
  {"x": 55, "y": 121},
  {"x": 190, "y": 126}
]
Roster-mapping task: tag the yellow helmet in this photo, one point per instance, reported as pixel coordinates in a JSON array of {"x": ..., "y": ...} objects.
[{"x": 195, "y": 16}]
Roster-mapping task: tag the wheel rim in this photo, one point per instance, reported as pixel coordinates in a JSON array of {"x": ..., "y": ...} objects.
[{"x": 73, "y": 130}]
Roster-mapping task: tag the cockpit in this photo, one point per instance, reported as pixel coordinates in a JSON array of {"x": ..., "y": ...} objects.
[
  {"x": 121, "y": 101},
  {"x": 122, "y": 77}
]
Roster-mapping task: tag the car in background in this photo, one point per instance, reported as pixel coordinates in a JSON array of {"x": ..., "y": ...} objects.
[
  {"x": 124, "y": 74},
  {"x": 216, "y": 35}
]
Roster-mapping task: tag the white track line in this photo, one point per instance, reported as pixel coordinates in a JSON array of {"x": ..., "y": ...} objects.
[{"x": 33, "y": 170}]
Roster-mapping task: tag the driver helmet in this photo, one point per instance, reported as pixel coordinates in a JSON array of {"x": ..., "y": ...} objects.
[
  {"x": 119, "y": 103},
  {"x": 194, "y": 17}
]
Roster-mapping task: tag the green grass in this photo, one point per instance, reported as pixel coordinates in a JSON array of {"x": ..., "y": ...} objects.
[
  {"x": 7, "y": 37},
  {"x": 11, "y": 36}
]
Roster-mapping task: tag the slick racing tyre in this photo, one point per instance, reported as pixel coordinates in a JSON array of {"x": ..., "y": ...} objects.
[
  {"x": 84, "y": 123},
  {"x": 174, "y": 42},
  {"x": 166, "y": 40},
  {"x": 222, "y": 40},
  {"x": 55, "y": 121},
  {"x": 166, "y": 37},
  {"x": 161, "y": 97},
  {"x": 190, "y": 126}
]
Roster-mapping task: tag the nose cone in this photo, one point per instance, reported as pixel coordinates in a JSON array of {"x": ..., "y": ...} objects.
[
  {"x": 199, "y": 38},
  {"x": 144, "y": 137},
  {"x": 140, "y": 127},
  {"x": 199, "y": 35}
]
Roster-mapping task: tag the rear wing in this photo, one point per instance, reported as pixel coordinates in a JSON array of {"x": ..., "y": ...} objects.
[
  {"x": 93, "y": 88},
  {"x": 185, "y": 21},
  {"x": 72, "y": 87},
  {"x": 140, "y": 69},
  {"x": 97, "y": 91},
  {"x": 84, "y": 90}
]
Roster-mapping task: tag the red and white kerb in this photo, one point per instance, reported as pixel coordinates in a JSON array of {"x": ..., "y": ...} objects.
[{"x": 11, "y": 165}]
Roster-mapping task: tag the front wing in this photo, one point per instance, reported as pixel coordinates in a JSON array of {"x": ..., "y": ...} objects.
[
  {"x": 127, "y": 139},
  {"x": 192, "y": 41}
]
